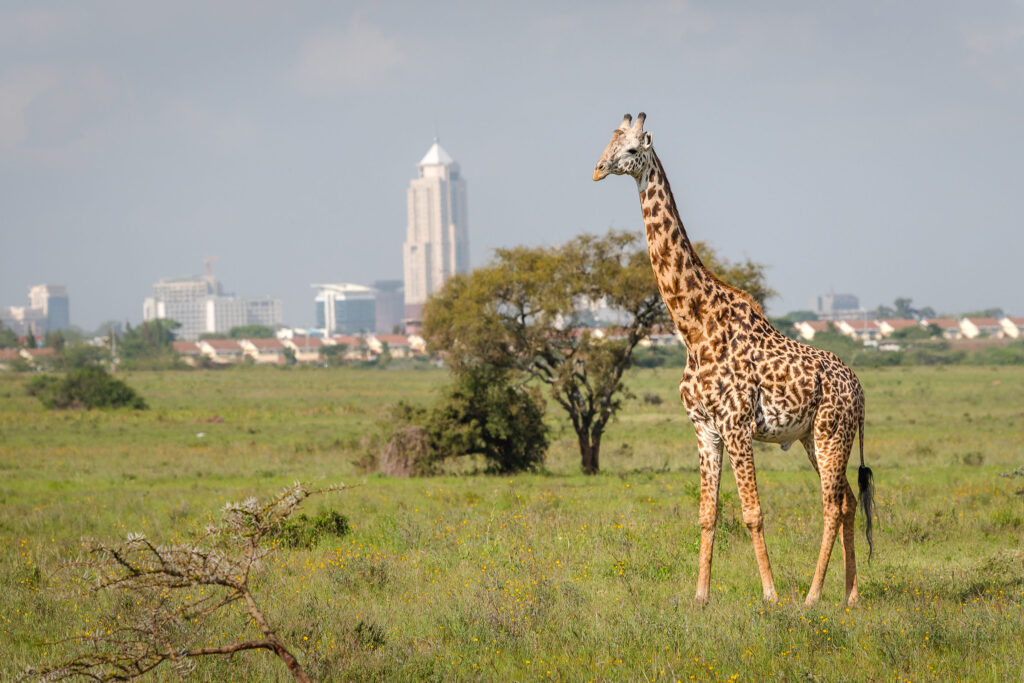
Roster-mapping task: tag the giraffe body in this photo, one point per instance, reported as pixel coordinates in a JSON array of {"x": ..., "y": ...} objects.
[{"x": 744, "y": 380}]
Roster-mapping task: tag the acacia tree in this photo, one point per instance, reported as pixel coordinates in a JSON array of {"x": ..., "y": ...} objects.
[{"x": 525, "y": 313}]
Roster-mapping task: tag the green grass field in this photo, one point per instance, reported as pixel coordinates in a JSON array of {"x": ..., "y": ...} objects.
[{"x": 552, "y": 575}]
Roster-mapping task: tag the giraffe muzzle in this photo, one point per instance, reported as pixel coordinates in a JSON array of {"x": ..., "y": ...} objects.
[{"x": 600, "y": 171}]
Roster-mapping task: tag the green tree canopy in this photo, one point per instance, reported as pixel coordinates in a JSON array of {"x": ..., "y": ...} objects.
[
  {"x": 8, "y": 339},
  {"x": 251, "y": 332},
  {"x": 149, "y": 345},
  {"x": 521, "y": 314}
]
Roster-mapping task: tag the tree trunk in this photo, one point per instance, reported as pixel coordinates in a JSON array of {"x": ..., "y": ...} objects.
[{"x": 590, "y": 451}]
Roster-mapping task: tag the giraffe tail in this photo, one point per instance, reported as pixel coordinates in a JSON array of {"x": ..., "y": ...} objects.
[{"x": 866, "y": 484}]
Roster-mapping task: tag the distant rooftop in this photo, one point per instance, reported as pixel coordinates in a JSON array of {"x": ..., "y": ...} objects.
[
  {"x": 436, "y": 156},
  {"x": 344, "y": 288}
]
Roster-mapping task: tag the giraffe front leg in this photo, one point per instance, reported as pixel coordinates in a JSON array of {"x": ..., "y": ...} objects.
[
  {"x": 710, "y": 447},
  {"x": 741, "y": 455}
]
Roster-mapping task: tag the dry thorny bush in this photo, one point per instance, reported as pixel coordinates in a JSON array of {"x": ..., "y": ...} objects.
[{"x": 162, "y": 620}]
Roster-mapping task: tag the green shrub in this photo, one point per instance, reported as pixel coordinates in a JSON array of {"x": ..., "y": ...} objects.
[
  {"x": 481, "y": 413},
  {"x": 87, "y": 387},
  {"x": 484, "y": 413},
  {"x": 305, "y": 532}
]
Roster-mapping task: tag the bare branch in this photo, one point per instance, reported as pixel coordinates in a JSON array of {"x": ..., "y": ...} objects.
[{"x": 159, "y": 626}]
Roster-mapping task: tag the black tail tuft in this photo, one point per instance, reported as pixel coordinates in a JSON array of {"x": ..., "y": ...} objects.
[{"x": 866, "y": 484}]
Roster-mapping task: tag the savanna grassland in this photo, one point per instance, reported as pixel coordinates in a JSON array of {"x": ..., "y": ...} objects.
[{"x": 541, "y": 576}]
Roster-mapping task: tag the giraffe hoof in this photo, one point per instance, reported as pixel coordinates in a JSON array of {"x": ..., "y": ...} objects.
[
  {"x": 852, "y": 600},
  {"x": 700, "y": 601},
  {"x": 771, "y": 597},
  {"x": 811, "y": 601}
]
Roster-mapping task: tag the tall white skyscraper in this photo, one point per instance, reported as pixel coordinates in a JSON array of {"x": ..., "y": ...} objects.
[{"x": 437, "y": 239}]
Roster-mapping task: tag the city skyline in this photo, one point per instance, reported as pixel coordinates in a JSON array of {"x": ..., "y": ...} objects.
[{"x": 870, "y": 148}]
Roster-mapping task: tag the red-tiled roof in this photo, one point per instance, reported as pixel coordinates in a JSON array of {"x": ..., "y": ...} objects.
[
  {"x": 1019, "y": 322},
  {"x": 944, "y": 323},
  {"x": 816, "y": 325},
  {"x": 984, "y": 322},
  {"x": 861, "y": 324},
  {"x": 186, "y": 347},
  {"x": 307, "y": 342},
  {"x": 40, "y": 353},
  {"x": 267, "y": 344},
  {"x": 393, "y": 339},
  {"x": 9, "y": 354},
  {"x": 223, "y": 344},
  {"x": 352, "y": 341},
  {"x": 900, "y": 323}
]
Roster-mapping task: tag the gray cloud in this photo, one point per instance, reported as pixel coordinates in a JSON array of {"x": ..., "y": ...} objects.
[{"x": 333, "y": 59}]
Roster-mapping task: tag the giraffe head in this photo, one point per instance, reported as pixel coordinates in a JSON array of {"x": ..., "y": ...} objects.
[{"x": 629, "y": 152}]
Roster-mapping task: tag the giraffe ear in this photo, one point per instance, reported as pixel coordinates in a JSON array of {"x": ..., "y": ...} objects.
[{"x": 648, "y": 140}]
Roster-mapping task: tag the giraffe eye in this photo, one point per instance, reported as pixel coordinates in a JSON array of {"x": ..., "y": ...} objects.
[{"x": 631, "y": 150}]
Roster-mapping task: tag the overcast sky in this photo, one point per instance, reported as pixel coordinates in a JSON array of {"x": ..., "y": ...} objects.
[{"x": 871, "y": 147}]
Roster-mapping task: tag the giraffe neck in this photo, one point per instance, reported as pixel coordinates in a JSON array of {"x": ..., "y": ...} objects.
[{"x": 686, "y": 286}]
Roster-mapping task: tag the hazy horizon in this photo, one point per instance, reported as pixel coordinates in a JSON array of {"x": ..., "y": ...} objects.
[{"x": 868, "y": 148}]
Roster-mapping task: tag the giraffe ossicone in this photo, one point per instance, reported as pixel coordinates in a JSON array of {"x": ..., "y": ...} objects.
[{"x": 746, "y": 381}]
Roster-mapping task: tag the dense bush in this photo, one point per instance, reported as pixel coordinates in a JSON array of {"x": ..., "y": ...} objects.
[
  {"x": 481, "y": 413},
  {"x": 87, "y": 387},
  {"x": 484, "y": 413},
  {"x": 303, "y": 531}
]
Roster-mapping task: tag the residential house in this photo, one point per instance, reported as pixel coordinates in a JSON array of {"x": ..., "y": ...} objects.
[
  {"x": 862, "y": 330},
  {"x": 264, "y": 351},
  {"x": 188, "y": 350},
  {"x": 981, "y": 327},
  {"x": 222, "y": 351},
  {"x": 888, "y": 327},
  {"x": 356, "y": 347},
  {"x": 1013, "y": 327},
  {"x": 307, "y": 349},
  {"x": 950, "y": 327},
  {"x": 417, "y": 345},
  {"x": 808, "y": 328},
  {"x": 398, "y": 344},
  {"x": 38, "y": 357}
]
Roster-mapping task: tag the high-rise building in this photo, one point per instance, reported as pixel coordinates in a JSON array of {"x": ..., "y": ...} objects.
[
  {"x": 53, "y": 301},
  {"x": 345, "y": 308},
  {"x": 47, "y": 311},
  {"x": 390, "y": 304},
  {"x": 834, "y": 306},
  {"x": 200, "y": 305},
  {"x": 437, "y": 239}
]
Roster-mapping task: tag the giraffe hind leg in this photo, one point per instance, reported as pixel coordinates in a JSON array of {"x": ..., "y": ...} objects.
[
  {"x": 846, "y": 539},
  {"x": 831, "y": 456}
]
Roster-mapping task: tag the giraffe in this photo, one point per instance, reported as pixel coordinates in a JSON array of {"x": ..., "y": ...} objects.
[{"x": 744, "y": 380}]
